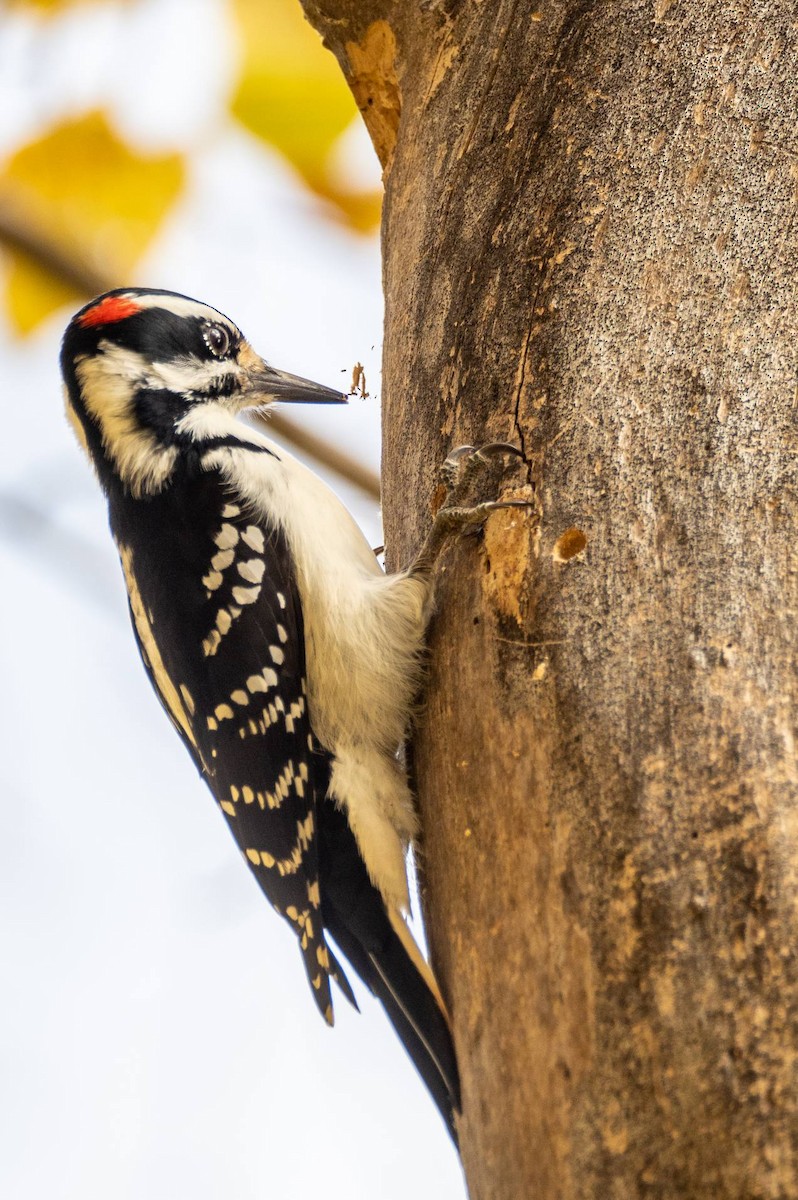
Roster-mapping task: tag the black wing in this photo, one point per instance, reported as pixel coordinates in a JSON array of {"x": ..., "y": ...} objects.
[{"x": 229, "y": 668}]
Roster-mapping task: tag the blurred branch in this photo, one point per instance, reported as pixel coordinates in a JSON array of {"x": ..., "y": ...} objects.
[
  {"x": 18, "y": 232},
  {"x": 315, "y": 447}
]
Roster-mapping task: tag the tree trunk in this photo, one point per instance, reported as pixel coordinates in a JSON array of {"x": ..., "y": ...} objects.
[{"x": 589, "y": 249}]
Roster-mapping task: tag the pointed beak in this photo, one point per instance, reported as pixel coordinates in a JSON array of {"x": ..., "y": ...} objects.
[{"x": 266, "y": 384}]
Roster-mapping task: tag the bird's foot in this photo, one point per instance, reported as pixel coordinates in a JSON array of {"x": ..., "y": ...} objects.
[{"x": 454, "y": 519}]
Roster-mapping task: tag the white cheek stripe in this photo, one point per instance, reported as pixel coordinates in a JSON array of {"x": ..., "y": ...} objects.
[
  {"x": 180, "y": 375},
  {"x": 129, "y": 365},
  {"x": 189, "y": 374}
]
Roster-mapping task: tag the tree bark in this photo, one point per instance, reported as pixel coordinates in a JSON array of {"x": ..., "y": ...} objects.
[{"x": 589, "y": 248}]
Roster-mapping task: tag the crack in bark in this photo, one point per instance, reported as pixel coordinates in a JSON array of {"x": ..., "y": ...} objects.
[{"x": 517, "y": 406}]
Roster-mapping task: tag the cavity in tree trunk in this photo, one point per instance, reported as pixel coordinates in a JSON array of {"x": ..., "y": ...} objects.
[{"x": 589, "y": 248}]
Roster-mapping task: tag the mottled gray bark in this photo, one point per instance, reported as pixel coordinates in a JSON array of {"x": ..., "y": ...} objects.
[{"x": 589, "y": 248}]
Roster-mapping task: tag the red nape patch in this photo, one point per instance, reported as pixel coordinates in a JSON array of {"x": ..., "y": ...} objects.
[{"x": 112, "y": 308}]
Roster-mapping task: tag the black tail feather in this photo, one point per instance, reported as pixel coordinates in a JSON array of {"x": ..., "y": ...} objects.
[
  {"x": 339, "y": 975},
  {"x": 355, "y": 916},
  {"x": 422, "y": 1029}
]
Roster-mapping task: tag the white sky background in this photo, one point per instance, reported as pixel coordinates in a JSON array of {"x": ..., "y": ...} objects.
[{"x": 158, "y": 1039}]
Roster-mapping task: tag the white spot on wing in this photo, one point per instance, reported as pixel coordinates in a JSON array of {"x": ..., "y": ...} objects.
[
  {"x": 253, "y": 538},
  {"x": 222, "y": 560},
  {"x": 243, "y": 595},
  {"x": 262, "y": 682},
  {"x": 252, "y": 570},
  {"x": 227, "y": 537},
  {"x": 211, "y": 643}
]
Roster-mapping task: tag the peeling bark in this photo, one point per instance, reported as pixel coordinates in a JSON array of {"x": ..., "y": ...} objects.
[
  {"x": 589, "y": 248},
  {"x": 372, "y": 78}
]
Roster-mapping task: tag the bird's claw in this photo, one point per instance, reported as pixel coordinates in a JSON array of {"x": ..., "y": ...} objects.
[
  {"x": 454, "y": 471},
  {"x": 456, "y": 519},
  {"x": 459, "y": 520}
]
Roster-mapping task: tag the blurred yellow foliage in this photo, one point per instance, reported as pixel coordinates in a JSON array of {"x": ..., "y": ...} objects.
[
  {"x": 87, "y": 206},
  {"x": 91, "y": 193},
  {"x": 292, "y": 95},
  {"x": 50, "y": 6}
]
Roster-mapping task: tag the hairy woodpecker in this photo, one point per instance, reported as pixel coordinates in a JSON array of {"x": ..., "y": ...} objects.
[{"x": 286, "y": 660}]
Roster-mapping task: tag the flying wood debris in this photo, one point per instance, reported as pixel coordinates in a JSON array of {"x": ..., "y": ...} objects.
[{"x": 358, "y": 381}]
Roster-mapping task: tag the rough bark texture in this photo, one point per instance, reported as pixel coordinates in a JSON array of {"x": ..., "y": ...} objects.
[{"x": 589, "y": 248}]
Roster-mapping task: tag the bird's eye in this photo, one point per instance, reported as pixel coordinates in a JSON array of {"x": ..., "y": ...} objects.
[{"x": 217, "y": 339}]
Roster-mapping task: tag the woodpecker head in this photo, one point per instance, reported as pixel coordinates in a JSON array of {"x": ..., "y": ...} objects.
[{"x": 149, "y": 372}]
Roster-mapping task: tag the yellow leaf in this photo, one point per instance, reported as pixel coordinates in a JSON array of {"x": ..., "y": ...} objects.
[
  {"x": 293, "y": 95},
  {"x": 92, "y": 196}
]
